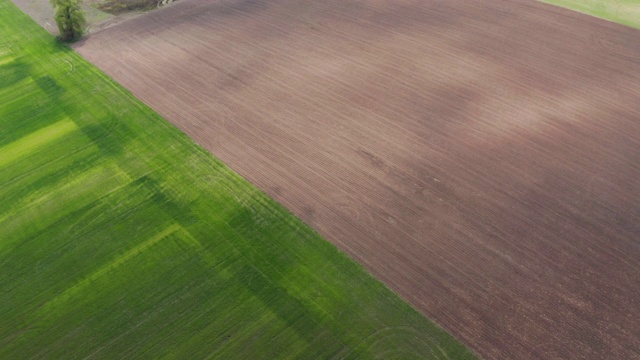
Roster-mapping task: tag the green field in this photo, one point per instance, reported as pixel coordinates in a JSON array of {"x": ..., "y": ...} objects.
[
  {"x": 121, "y": 238},
  {"x": 626, "y": 12}
]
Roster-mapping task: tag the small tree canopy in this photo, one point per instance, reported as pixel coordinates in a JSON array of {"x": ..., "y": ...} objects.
[{"x": 70, "y": 19}]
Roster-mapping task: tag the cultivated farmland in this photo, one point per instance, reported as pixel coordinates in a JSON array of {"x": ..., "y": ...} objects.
[
  {"x": 120, "y": 238},
  {"x": 480, "y": 157}
]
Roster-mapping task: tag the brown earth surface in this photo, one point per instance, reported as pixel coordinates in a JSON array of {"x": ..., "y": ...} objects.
[
  {"x": 482, "y": 158},
  {"x": 41, "y": 11}
]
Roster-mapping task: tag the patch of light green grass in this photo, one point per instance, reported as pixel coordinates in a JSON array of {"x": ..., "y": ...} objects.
[
  {"x": 121, "y": 238},
  {"x": 4, "y": 59},
  {"x": 626, "y": 12},
  {"x": 34, "y": 141}
]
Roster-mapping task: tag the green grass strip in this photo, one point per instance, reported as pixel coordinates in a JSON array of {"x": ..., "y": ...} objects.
[
  {"x": 35, "y": 141},
  {"x": 625, "y": 12}
]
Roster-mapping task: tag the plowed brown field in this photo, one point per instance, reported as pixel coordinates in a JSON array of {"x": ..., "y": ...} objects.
[{"x": 482, "y": 158}]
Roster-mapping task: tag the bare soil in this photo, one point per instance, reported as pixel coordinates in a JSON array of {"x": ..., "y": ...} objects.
[
  {"x": 41, "y": 11},
  {"x": 482, "y": 158}
]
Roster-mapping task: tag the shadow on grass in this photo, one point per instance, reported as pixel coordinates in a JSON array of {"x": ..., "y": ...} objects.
[{"x": 14, "y": 72}]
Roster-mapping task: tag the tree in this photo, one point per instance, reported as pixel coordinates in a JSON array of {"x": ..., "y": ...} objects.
[{"x": 70, "y": 19}]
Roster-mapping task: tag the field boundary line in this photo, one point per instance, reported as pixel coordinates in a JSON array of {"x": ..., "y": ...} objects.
[{"x": 113, "y": 264}]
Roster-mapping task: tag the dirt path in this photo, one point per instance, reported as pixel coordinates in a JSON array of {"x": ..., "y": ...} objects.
[
  {"x": 480, "y": 157},
  {"x": 42, "y": 12}
]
